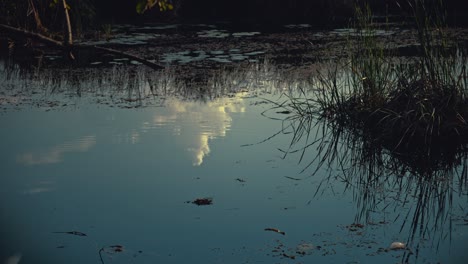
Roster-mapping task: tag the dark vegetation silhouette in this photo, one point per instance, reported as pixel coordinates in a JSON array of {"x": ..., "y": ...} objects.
[
  {"x": 390, "y": 128},
  {"x": 89, "y": 13},
  {"x": 54, "y": 21}
]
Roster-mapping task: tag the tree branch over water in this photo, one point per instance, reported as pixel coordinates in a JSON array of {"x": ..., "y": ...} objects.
[
  {"x": 21, "y": 33},
  {"x": 28, "y": 34}
]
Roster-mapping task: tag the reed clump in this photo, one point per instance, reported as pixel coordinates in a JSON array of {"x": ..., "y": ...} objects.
[
  {"x": 374, "y": 121},
  {"x": 415, "y": 108}
]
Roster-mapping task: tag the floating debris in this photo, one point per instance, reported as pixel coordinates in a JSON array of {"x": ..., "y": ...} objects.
[
  {"x": 203, "y": 201},
  {"x": 355, "y": 227},
  {"x": 397, "y": 246},
  {"x": 289, "y": 256},
  {"x": 75, "y": 233},
  {"x": 275, "y": 230},
  {"x": 306, "y": 249},
  {"x": 110, "y": 250},
  {"x": 292, "y": 178},
  {"x": 116, "y": 248}
]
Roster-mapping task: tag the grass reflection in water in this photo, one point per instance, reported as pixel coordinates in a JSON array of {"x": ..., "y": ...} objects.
[{"x": 393, "y": 130}]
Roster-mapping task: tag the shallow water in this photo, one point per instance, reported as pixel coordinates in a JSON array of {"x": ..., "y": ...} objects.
[{"x": 124, "y": 181}]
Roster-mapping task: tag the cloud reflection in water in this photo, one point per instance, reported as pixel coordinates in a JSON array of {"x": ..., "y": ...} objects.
[
  {"x": 207, "y": 120},
  {"x": 56, "y": 153}
]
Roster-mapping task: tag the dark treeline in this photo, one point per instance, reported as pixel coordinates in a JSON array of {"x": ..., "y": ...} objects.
[
  {"x": 89, "y": 13},
  {"x": 268, "y": 11},
  {"x": 245, "y": 11},
  {"x": 319, "y": 12}
]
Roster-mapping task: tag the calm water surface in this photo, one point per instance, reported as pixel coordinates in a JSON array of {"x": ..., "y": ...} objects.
[{"x": 126, "y": 178}]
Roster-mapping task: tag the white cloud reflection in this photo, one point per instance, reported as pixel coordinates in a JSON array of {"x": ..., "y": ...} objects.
[
  {"x": 202, "y": 150},
  {"x": 193, "y": 124},
  {"x": 196, "y": 123},
  {"x": 38, "y": 190},
  {"x": 56, "y": 153}
]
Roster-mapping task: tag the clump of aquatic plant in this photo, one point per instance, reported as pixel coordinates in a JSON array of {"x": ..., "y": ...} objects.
[
  {"x": 418, "y": 108},
  {"x": 396, "y": 129}
]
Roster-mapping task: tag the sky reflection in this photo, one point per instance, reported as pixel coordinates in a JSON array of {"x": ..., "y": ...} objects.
[
  {"x": 194, "y": 123},
  {"x": 55, "y": 154},
  {"x": 133, "y": 187},
  {"x": 191, "y": 125}
]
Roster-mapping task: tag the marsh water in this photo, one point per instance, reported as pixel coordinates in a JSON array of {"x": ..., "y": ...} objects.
[{"x": 106, "y": 165}]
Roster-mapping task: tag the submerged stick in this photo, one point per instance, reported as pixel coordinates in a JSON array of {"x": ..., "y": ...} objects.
[
  {"x": 275, "y": 230},
  {"x": 76, "y": 233},
  {"x": 29, "y": 34},
  {"x": 130, "y": 56}
]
